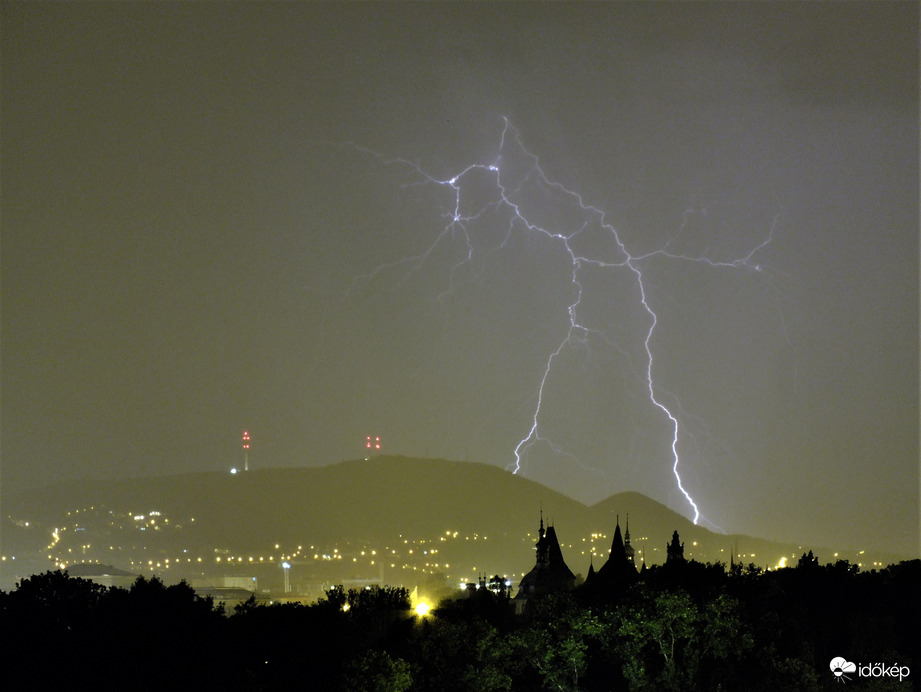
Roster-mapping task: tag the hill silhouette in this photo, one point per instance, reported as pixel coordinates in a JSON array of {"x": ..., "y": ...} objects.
[{"x": 475, "y": 517}]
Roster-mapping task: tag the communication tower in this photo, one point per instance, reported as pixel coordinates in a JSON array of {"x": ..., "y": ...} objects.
[
  {"x": 372, "y": 444},
  {"x": 245, "y": 450}
]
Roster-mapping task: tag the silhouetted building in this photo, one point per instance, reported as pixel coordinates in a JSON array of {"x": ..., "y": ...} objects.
[
  {"x": 619, "y": 569},
  {"x": 106, "y": 575},
  {"x": 550, "y": 573},
  {"x": 674, "y": 551},
  {"x": 500, "y": 586}
]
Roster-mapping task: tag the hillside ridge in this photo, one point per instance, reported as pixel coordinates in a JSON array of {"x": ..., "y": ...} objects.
[{"x": 382, "y": 501}]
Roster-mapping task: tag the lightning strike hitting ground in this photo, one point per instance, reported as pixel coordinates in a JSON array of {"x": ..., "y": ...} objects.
[{"x": 512, "y": 177}]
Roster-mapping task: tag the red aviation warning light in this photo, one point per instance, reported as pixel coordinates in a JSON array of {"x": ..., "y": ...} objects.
[
  {"x": 245, "y": 450},
  {"x": 373, "y": 443}
]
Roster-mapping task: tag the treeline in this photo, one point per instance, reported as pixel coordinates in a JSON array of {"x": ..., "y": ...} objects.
[{"x": 685, "y": 627}]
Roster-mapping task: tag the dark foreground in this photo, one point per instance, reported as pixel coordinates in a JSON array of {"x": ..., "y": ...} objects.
[{"x": 694, "y": 627}]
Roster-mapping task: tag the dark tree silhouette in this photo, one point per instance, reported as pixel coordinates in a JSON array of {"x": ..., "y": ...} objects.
[{"x": 685, "y": 627}]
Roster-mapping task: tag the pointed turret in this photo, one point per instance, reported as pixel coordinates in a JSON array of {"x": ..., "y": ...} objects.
[
  {"x": 628, "y": 549},
  {"x": 618, "y": 552},
  {"x": 591, "y": 570},
  {"x": 619, "y": 569},
  {"x": 550, "y": 573},
  {"x": 543, "y": 557}
]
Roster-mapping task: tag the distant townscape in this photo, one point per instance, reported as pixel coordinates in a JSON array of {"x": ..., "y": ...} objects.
[
  {"x": 424, "y": 524},
  {"x": 680, "y": 625}
]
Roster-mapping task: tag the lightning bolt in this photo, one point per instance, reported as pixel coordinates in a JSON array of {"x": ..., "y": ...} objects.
[{"x": 512, "y": 175}]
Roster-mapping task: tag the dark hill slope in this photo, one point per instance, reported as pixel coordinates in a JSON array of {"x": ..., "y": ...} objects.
[{"x": 383, "y": 495}]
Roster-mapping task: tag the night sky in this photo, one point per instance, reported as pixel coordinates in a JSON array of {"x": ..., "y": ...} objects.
[{"x": 229, "y": 216}]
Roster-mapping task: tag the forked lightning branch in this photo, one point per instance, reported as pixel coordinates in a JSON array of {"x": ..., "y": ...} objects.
[{"x": 514, "y": 180}]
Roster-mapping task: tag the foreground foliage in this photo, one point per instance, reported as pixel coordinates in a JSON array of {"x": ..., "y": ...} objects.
[{"x": 686, "y": 628}]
